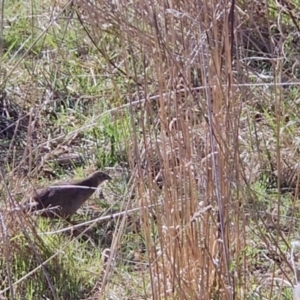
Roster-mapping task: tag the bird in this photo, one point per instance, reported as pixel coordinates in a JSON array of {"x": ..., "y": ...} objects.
[{"x": 62, "y": 200}]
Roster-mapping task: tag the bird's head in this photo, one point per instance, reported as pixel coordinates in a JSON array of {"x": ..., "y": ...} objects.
[{"x": 101, "y": 176}]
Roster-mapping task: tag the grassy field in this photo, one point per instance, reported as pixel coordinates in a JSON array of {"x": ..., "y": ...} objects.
[{"x": 192, "y": 108}]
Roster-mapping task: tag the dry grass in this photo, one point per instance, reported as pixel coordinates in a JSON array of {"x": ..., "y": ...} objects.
[{"x": 194, "y": 106}]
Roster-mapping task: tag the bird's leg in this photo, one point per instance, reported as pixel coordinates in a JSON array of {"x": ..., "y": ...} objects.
[
  {"x": 75, "y": 232},
  {"x": 68, "y": 219}
]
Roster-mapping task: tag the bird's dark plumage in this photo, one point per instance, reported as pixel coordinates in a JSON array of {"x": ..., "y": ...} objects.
[{"x": 64, "y": 199}]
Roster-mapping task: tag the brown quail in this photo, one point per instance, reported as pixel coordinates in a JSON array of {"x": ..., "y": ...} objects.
[{"x": 63, "y": 200}]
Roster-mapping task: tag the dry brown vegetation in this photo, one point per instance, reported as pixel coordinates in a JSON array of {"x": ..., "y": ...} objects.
[{"x": 192, "y": 106}]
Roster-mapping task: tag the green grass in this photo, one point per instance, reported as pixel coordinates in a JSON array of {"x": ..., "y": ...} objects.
[{"x": 70, "y": 90}]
